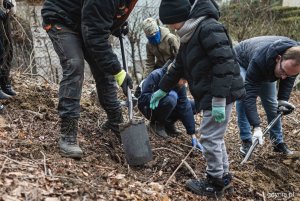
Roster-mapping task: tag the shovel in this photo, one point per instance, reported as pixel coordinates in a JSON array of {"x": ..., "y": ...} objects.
[
  {"x": 255, "y": 143},
  {"x": 134, "y": 135}
]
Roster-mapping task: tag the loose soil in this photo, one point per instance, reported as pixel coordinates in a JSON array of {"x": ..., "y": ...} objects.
[{"x": 32, "y": 169}]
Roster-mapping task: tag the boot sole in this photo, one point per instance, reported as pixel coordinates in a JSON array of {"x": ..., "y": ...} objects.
[
  {"x": 215, "y": 195},
  {"x": 172, "y": 134},
  {"x": 228, "y": 189},
  {"x": 70, "y": 155}
]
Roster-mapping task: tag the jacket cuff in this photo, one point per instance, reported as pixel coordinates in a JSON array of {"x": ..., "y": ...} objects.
[
  {"x": 218, "y": 101},
  {"x": 191, "y": 131}
]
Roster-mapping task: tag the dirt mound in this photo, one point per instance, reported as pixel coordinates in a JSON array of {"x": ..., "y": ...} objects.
[{"x": 32, "y": 169}]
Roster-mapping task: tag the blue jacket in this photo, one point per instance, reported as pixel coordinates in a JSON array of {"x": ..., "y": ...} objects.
[
  {"x": 150, "y": 85},
  {"x": 258, "y": 56}
]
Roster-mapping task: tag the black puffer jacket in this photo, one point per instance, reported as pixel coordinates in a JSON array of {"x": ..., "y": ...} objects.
[
  {"x": 99, "y": 19},
  {"x": 207, "y": 61}
]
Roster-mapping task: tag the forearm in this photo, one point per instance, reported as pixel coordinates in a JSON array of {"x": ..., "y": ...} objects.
[{"x": 96, "y": 26}]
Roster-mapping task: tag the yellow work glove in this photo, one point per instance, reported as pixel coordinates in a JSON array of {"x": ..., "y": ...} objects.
[{"x": 124, "y": 81}]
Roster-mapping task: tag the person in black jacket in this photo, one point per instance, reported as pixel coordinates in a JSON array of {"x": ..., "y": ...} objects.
[
  {"x": 206, "y": 60},
  {"x": 174, "y": 106},
  {"x": 7, "y": 9},
  {"x": 63, "y": 20},
  {"x": 263, "y": 60}
]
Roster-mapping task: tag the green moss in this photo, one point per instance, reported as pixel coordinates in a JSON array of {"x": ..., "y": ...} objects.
[
  {"x": 283, "y": 9},
  {"x": 294, "y": 19}
]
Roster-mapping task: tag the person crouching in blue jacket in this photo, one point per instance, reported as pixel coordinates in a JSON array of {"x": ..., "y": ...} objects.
[{"x": 174, "y": 106}]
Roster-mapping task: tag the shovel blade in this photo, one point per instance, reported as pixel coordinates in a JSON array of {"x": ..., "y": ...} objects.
[{"x": 136, "y": 144}]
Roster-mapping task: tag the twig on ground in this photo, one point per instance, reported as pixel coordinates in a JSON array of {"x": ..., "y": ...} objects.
[
  {"x": 163, "y": 148},
  {"x": 177, "y": 147},
  {"x": 38, "y": 75},
  {"x": 295, "y": 121},
  {"x": 45, "y": 166},
  {"x": 179, "y": 166},
  {"x": 189, "y": 146},
  {"x": 104, "y": 167},
  {"x": 296, "y": 132},
  {"x": 20, "y": 163},
  {"x": 36, "y": 114},
  {"x": 3, "y": 166},
  {"x": 190, "y": 169},
  {"x": 260, "y": 195},
  {"x": 240, "y": 181},
  {"x": 264, "y": 197},
  {"x": 11, "y": 121}
]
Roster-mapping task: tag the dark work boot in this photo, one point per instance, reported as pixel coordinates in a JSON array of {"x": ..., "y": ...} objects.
[
  {"x": 113, "y": 122},
  {"x": 172, "y": 130},
  {"x": 158, "y": 128},
  {"x": 246, "y": 144},
  {"x": 211, "y": 187},
  {"x": 8, "y": 90},
  {"x": 282, "y": 148},
  {"x": 114, "y": 127},
  {"x": 68, "y": 138},
  {"x": 4, "y": 95}
]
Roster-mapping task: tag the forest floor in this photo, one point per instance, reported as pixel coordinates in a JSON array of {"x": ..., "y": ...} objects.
[{"x": 32, "y": 169}]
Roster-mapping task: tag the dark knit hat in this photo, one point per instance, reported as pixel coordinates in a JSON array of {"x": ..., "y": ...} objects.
[{"x": 174, "y": 11}]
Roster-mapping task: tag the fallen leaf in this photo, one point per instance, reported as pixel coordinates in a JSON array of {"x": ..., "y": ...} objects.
[{"x": 51, "y": 199}]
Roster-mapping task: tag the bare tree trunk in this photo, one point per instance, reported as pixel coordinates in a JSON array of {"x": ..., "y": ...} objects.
[
  {"x": 138, "y": 43},
  {"x": 132, "y": 44}
]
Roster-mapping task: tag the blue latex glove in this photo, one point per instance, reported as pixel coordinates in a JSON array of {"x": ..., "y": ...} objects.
[
  {"x": 218, "y": 112},
  {"x": 155, "y": 98},
  {"x": 196, "y": 143}
]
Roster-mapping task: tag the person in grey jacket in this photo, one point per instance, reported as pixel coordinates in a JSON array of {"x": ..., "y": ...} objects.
[{"x": 264, "y": 60}]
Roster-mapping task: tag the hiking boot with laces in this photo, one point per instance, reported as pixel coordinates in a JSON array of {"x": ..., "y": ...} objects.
[
  {"x": 158, "y": 128},
  {"x": 211, "y": 187},
  {"x": 282, "y": 148},
  {"x": 68, "y": 139},
  {"x": 246, "y": 144}
]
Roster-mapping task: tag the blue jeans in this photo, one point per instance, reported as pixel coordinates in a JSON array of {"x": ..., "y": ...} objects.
[{"x": 268, "y": 96}]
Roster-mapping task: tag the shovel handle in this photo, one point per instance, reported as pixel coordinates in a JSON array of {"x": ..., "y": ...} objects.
[
  {"x": 129, "y": 95},
  {"x": 255, "y": 143}
]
